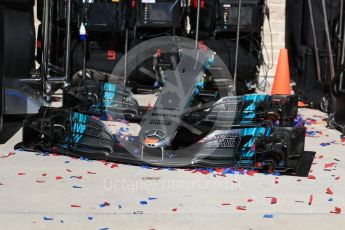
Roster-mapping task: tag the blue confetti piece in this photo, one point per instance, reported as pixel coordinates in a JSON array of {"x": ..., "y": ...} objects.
[
  {"x": 143, "y": 202},
  {"x": 74, "y": 186},
  {"x": 66, "y": 162},
  {"x": 152, "y": 198},
  {"x": 47, "y": 218},
  {"x": 84, "y": 159},
  {"x": 61, "y": 221},
  {"x": 119, "y": 206},
  {"x": 145, "y": 167},
  {"x": 228, "y": 171},
  {"x": 330, "y": 199},
  {"x": 90, "y": 218},
  {"x": 270, "y": 216},
  {"x": 103, "y": 228},
  {"x": 276, "y": 173}
]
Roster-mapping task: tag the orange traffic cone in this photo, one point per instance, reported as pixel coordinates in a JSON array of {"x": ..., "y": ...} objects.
[{"x": 281, "y": 83}]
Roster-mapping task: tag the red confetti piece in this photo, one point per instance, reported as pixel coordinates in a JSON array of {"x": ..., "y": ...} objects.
[
  {"x": 336, "y": 210},
  {"x": 58, "y": 178},
  {"x": 68, "y": 170},
  {"x": 104, "y": 162},
  {"x": 75, "y": 206},
  {"x": 321, "y": 156},
  {"x": 337, "y": 178},
  {"x": 40, "y": 181},
  {"x": 174, "y": 209},
  {"x": 235, "y": 182},
  {"x": 330, "y": 165},
  {"x": 223, "y": 175},
  {"x": 250, "y": 200},
  {"x": 91, "y": 173},
  {"x": 299, "y": 180},
  {"x": 310, "y": 199},
  {"x": 276, "y": 182},
  {"x": 311, "y": 177},
  {"x": 8, "y": 155},
  {"x": 1, "y": 184},
  {"x": 21, "y": 174},
  {"x": 44, "y": 174},
  {"x": 114, "y": 166},
  {"x": 241, "y": 208},
  {"x": 274, "y": 200},
  {"x": 251, "y": 173},
  {"x": 219, "y": 170},
  {"x": 202, "y": 171},
  {"x": 226, "y": 204},
  {"x": 329, "y": 191}
]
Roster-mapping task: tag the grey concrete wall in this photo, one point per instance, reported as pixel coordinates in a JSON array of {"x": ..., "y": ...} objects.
[{"x": 277, "y": 18}]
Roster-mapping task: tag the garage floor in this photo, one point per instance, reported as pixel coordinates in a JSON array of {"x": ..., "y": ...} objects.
[{"x": 58, "y": 192}]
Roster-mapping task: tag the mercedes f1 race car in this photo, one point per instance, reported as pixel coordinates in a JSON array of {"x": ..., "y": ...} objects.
[{"x": 185, "y": 127}]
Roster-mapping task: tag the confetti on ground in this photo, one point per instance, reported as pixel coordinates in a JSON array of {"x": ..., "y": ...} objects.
[
  {"x": 47, "y": 218},
  {"x": 152, "y": 198},
  {"x": 58, "y": 178},
  {"x": 105, "y": 204},
  {"x": 329, "y": 165},
  {"x": 241, "y": 208},
  {"x": 251, "y": 173},
  {"x": 92, "y": 173},
  {"x": 269, "y": 216},
  {"x": 174, "y": 209},
  {"x": 336, "y": 210},
  {"x": 75, "y": 206},
  {"x": 76, "y": 177},
  {"x": 40, "y": 181},
  {"x": 8, "y": 155},
  {"x": 329, "y": 191},
  {"x": 75, "y": 186},
  {"x": 226, "y": 204},
  {"x": 90, "y": 218},
  {"x": 312, "y": 177},
  {"x": 274, "y": 200},
  {"x": 143, "y": 202},
  {"x": 21, "y": 173},
  {"x": 310, "y": 200},
  {"x": 250, "y": 200},
  {"x": 114, "y": 166}
]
